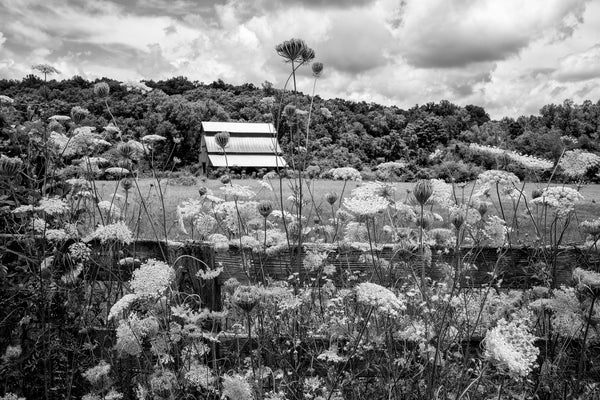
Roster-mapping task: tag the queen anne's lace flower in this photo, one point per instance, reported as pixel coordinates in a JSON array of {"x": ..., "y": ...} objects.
[
  {"x": 237, "y": 387},
  {"x": 52, "y": 206},
  {"x": 373, "y": 189},
  {"x": 379, "y": 297},
  {"x": 152, "y": 278},
  {"x": 153, "y": 138},
  {"x": 79, "y": 251},
  {"x": 345, "y": 174},
  {"x": 118, "y": 232},
  {"x": 495, "y": 231},
  {"x": 96, "y": 374},
  {"x": 56, "y": 234},
  {"x": 561, "y": 199},
  {"x": 367, "y": 206},
  {"x": 511, "y": 346},
  {"x": 122, "y": 305},
  {"x": 238, "y": 192},
  {"x": 494, "y": 177},
  {"x": 576, "y": 163},
  {"x": 200, "y": 376}
]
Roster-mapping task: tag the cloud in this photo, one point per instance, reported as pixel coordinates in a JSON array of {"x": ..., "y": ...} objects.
[
  {"x": 579, "y": 66},
  {"x": 447, "y": 34}
]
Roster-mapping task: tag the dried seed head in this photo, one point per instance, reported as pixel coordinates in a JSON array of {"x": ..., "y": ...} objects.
[
  {"x": 101, "y": 89},
  {"x": 126, "y": 150},
  {"x": 265, "y": 208},
  {"x": 331, "y": 197},
  {"x": 222, "y": 139},
  {"x": 423, "y": 191},
  {"x": 225, "y": 179},
  {"x": 127, "y": 184},
  {"x": 292, "y": 50},
  {"x": 202, "y": 190},
  {"x": 78, "y": 114},
  {"x": 317, "y": 68}
]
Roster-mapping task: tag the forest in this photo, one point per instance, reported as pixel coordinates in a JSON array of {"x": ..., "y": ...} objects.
[{"x": 430, "y": 140}]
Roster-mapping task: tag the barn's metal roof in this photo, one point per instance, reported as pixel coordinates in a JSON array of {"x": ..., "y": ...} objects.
[
  {"x": 250, "y": 144},
  {"x": 247, "y": 160},
  {"x": 238, "y": 127}
]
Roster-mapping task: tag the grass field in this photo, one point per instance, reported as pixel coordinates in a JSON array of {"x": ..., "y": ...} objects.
[{"x": 172, "y": 194}]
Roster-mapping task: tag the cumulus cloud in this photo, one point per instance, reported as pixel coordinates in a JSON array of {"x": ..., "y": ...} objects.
[
  {"x": 509, "y": 56},
  {"x": 579, "y": 66},
  {"x": 447, "y": 34}
]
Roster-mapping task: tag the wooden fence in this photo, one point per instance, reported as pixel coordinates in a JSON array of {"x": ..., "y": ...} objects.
[{"x": 515, "y": 267}]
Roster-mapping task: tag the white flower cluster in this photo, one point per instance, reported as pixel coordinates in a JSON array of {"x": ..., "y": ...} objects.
[
  {"x": 200, "y": 376},
  {"x": 204, "y": 224},
  {"x": 80, "y": 251},
  {"x": 132, "y": 331},
  {"x": 150, "y": 139},
  {"x": 366, "y": 206},
  {"x": 152, "y": 278},
  {"x": 561, "y": 199},
  {"x": 188, "y": 210},
  {"x": 495, "y": 232},
  {"x": 122, "y": 305},
  {"x": 96, "y": 374},
  {"x": 237, "y": 387},
  {"x": 117, "y": 232},
  {"x": 381, "y": 298},
  {"x": 52, "y": 206},
  {"x": 345, "y": 174},
  {"x": 586, "y": 278},
  {"x": 566, "y": 316},
  {"x": 591, "y": 227},
  {"x": 373, "y": 189},
  {"x": 238, "y": 192},
  {"x": 511, "y": 346},
  {"x": 576, "y": 163},
  {"x": 494, "y": 177}
]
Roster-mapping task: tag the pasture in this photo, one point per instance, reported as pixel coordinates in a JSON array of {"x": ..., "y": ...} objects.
[{"x": 151, "y": 220}]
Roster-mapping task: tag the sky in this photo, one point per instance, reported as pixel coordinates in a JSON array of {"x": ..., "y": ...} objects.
[{"x": 509, "y": 56}]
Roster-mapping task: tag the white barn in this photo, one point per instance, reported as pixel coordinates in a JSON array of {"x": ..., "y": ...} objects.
[{"x": 251, "y": 145}]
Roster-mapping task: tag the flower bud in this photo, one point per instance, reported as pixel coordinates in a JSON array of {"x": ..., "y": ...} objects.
[
  {"x": 265, "y": 208},
  {"x": 289, "y": 111},
  {"x": 317, "y": 68},
  {"x": 125, "y": 150},
  {"x": 202, "y": 190},
  {"x": 78, "y": 114},
  {"x": 225, "y": 179},
  {"x": 331, "y": 197},
  {"x": 458, "y": 219},
  {"x": 423, "y": 191},
  {"x": 222, "y": 139},
  {"x": 246, "y": 297},
  {"x": 101, "y": 89},
  {"x": 127, "y": 184},
  {"x": 127, "y": 164}
]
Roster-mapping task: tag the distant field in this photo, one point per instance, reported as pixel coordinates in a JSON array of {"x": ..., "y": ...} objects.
[{"x": 175, "y": 194}]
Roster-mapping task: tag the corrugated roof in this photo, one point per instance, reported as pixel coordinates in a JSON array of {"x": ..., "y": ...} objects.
[
  {"x": 243, "y": 160},
  {"x": 238, "y": 127},
  {"x": 244, "y": 145}
]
